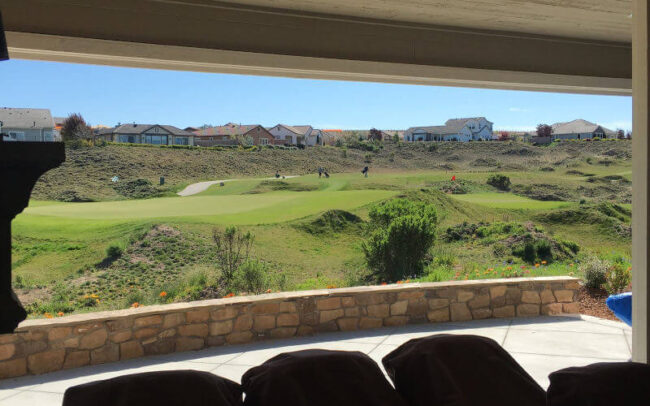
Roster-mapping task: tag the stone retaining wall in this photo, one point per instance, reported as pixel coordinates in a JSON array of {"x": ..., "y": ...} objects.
[{"x": 46, "y": 345}]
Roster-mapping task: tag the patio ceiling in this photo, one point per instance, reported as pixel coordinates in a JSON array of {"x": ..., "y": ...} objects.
[{"x": 547, "y": 45}]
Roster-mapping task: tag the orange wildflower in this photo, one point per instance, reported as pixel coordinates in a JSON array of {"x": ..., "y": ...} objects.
[
  {"x": 47, "y": 315},
  {"x": 536, "y": 265},
  {"x": 135, "y": 304},
  {"x": 407, "y": 281},
  {"x": 331, "y": 286},
  {"x": 59, "y": 314},
  {"x": 269, "y": 291},
  {"x": 543, "y": 262},
  {"x": 163, "y": 294},
  {"x": 399, "y": 282},
  {"x": 384, "y": 283},
  {"x": 230, "y": 294}
]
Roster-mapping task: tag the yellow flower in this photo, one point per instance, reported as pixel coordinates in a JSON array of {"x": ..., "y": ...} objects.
[{"x": 543, "y": 262}]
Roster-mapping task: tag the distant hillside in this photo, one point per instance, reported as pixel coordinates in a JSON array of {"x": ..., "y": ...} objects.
[{"x": 87, "y": 172}]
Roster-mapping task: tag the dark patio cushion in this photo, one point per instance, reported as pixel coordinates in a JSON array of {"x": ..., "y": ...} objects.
[
  {"x": 168, "y": 388},
  {"x": 604, "y": 383},
  {"x": 319, "y": 377},
  {"x": 460, "y": 370}
]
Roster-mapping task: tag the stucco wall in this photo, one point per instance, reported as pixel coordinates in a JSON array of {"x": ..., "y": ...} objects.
[{"x": 46, "y": 345}]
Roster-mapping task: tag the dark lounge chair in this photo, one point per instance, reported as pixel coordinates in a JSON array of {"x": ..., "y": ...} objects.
[
  {"x": 168, "y": 388},
  {"x": 319, "y": 377},
  {"x": 460, "y": 370},
  {"x": 601, "y": 384}
]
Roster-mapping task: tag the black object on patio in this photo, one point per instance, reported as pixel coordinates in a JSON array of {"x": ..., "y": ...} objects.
[
  {"x": 168, "y": 388},
  {"x": 601, "y": 384},
  {"x": 460, "y": 370},
  {"x": 319, "y": 377}
]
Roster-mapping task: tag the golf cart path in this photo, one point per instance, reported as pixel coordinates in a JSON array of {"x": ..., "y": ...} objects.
[{"x": 199, "y": 187}]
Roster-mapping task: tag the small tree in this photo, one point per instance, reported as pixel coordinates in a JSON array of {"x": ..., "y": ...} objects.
[
  {"x": 232, "y": 248},
  {"x": 396, "y": 138},
  {"x": 628, "y": 135},
  {"x": 75, "y": 128},
  {"x": 499, "y": 181},
  {"x": 620, "y": 134},
  {"x": 404, "y": 232},
  {"x": 375, "y": 135},
  {"x": 544, "y": 130}
]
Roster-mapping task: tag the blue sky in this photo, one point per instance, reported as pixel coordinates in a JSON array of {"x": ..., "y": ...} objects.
[{"x": 108, "y": 95}]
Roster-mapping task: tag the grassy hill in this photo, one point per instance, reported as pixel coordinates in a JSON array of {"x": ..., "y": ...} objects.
[{"x": 87, "y": 172}]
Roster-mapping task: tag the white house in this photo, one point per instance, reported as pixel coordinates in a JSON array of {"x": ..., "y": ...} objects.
[
  {"x": 294, "y": 135},
  {"x": 580, "y": 130},
  {"x": 20, "y": 124},
  {"x": 458, "y": 129}
]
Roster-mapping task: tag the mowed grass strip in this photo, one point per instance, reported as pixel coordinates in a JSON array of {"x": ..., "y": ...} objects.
[
  {"x": 509, "y": 201},
  {"x": 263, "y": 208}
]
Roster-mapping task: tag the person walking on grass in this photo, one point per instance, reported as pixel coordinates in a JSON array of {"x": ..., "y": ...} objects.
[
  {"x": 365, "y": 171},
  {"x": 320, "y": 171}
]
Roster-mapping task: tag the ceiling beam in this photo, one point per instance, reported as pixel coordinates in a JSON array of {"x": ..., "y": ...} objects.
[{"x": 209, "y": 36}]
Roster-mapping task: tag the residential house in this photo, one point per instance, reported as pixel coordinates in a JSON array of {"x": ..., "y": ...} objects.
[
  {"x": 25, "y": 124},
  {"x": 580, "y": 130},
  {"x": 232, "y": 134},
  {"x": 294, "y": 135},
  {"x": 459, "y": 129},
  {"x": 155, "y": 134}
]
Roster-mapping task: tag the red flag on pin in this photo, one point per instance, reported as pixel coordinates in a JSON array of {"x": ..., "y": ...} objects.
[{"x": 453, "y": 178}]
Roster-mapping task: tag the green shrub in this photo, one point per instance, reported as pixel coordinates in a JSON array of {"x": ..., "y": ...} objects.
[
  {"x": 594, "y": 271},
  {"x": 383, "y": 214},
  {"x": 404, "y": 232},
  {"x": 499, "y": 250},
  {"x": 617, "y": 278},
  {"x": 252, "y": 276},
  {"x": 444, "y": 258},
  {"x": 499, "y": 181},
  {"x": 367, "y": 158},
  {"x": 543, "y": 250},
  {"x": 113, "y": 252}
]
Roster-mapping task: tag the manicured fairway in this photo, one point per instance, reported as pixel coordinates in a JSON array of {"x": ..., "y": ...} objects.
[
  {"x": 263, "y": 208},
  {"x": 509, "y": 201}
]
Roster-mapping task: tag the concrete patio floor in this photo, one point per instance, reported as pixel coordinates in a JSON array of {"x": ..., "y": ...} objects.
[{"x": 540, "y": 344}]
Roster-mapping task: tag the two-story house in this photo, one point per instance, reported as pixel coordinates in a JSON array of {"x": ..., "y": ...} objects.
[{"x": 458, "y": 129}]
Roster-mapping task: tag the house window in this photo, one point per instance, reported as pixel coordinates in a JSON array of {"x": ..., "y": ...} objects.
[
  {"x": 155, "y": 139},
  {"x": 16, "y": 136},
  {"x": 127, "y": 138},
  {"x": 264, "y": 141},
  {"x": 181, "y": 141}
]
